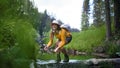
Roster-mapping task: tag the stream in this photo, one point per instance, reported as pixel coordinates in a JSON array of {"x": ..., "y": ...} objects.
[{"x": 90, "y": 63}]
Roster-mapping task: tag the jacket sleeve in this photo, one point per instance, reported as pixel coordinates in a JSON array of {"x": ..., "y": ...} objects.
[
  {"x": 51, "y": 40},
  {"x": 63, "y": 39}
]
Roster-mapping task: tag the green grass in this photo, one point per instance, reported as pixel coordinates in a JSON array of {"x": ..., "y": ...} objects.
[
  {"x": 86, "y": 40},
  {"x": 46, "y": 56},
  {"x": 52, "y": 56}
]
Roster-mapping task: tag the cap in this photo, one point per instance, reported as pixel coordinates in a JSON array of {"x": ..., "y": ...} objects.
[{"x": 56, "y": 22}]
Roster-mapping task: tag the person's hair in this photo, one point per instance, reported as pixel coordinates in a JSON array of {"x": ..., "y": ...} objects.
[{"x": 58, "y": 27}]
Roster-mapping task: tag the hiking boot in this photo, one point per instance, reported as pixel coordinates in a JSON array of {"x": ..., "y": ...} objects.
[
  {"x": 58, "y": 58},
  {"x": 66, "y": 58}
]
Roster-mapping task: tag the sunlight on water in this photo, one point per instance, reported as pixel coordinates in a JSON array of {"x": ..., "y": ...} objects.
[
  {"x": 53, "y": 61},
  {"x": 32, "y": 65}
]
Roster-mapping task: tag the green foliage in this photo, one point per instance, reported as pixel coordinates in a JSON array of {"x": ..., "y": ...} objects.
[
  {"x": 25, "y": 39},
  {"x": 19, "y": 21},
  {"x": 111, "y": 48},
  {"x": 17, "y": 38},
  {"x": 98, "y": 12},
  {"x": 85, "y": 22},
  {"x": 85, "y": 15}
]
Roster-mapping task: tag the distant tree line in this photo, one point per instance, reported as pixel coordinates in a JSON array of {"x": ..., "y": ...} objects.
[{"x": 105, "y": 12}]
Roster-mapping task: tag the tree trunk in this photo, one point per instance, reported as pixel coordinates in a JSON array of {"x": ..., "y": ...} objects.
[
  {"x": 117, "y": 15},
  {"x": 108, "y": 20}
]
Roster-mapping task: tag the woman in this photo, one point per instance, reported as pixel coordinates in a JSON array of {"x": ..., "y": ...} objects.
[{"x": 63, "y": 36}]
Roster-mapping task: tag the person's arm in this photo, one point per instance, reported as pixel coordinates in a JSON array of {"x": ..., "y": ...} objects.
[
  {"x": 63, "y": 39},
  {"x": 51, "y": 40}
]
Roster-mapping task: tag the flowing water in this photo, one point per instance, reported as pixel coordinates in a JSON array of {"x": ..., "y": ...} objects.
[
  {"x": 53, "y": 64},
  {"x": 90, "y": 63}
]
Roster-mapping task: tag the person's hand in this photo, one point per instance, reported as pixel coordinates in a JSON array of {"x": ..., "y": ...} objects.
[
  {"x": 56, "y": 49},
  {"x": 45, "y": 48}
]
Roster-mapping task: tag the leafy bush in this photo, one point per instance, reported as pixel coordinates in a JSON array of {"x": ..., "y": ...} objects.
[{"x": 17, "y": 42}]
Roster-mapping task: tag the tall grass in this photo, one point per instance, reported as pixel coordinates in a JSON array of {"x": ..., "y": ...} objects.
[{"x": 86, "y": 40}]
